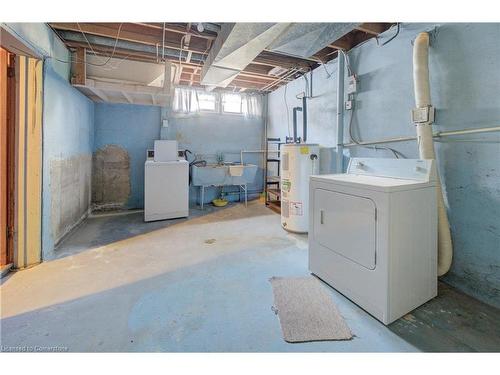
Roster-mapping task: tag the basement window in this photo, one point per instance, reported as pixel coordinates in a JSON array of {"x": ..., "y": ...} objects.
[
  {"x": 232, "y": 103},
  {"x": 207, "y": 102}
]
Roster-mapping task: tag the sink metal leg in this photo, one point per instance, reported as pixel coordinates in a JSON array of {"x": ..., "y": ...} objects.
[
  {"x": 244, "y": 188},
  {"x": 202, "y": 190}
]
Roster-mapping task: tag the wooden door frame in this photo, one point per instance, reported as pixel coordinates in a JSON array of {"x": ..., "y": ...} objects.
[
  {"x": 4, "y": 56},
  {"x": 11, "y": 155},
  {"x": 8, "y": 147}
]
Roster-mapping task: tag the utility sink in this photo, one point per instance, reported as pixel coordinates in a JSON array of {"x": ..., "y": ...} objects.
[{"x": 223, "y": 174}]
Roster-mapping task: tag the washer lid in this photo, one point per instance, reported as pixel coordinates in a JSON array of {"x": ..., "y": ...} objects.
[{"x": 162, "y": 163}]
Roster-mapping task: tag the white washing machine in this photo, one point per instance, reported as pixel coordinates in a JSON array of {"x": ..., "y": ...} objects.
[
  {"x": 373, "y": 234},
  {"x": 166, "y": 189}
]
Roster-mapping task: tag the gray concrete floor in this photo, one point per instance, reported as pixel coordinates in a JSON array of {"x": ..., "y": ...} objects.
[{"x": 201, "y": 284}]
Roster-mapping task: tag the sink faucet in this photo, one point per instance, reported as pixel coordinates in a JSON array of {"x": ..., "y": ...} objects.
[{"x": 220, "y": 158}]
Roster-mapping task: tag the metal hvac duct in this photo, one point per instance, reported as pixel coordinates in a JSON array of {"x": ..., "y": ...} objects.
[
  {"x": 236, "y": 45},
  {"x": 305, "y": 39}
]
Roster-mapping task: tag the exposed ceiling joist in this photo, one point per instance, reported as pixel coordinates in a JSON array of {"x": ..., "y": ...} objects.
[
  {"x": 133, "y": 33},
  {"x": 373, "y": 28},
  {"x": 179, "y": 29},
  {"x": 142, "y": 41}
]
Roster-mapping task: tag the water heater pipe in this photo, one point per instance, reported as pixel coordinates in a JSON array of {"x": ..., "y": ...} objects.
[
  {"x": 304, "y": 119},
  {"x": 426, "y": 144},
  {"x": 295, "y": 110}
]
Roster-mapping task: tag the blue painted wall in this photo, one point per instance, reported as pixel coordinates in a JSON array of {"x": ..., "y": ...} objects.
[
  {"x": 134, "y": 128},
  {"x": 40, "y": 38},
  {"x": 464, "y": 87},
  {"x": 207, "y": 134},
  {"x": 68, "y": 135}
]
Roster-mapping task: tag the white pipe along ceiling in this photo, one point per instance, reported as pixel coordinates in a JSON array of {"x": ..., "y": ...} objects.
[{"x": 423, "y": 116}]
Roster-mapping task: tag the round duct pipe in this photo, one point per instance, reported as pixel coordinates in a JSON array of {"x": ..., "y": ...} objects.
[{"x": 426, "y": 143}]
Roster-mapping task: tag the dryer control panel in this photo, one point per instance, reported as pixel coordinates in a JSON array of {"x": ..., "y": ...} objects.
[{"x": 423, "y": 170}]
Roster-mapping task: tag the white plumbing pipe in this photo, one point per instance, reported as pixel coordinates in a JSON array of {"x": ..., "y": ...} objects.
[
  {"x": 438, "y": 135},
  {"x": 426, "y": 145}
]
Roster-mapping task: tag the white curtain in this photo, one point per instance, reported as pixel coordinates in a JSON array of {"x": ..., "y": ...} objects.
[
  {"x": 185, "y": 101},
  {"x": 252, "y": 105}
]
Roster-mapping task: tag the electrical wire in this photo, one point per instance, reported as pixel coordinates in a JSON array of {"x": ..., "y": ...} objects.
[
  {"x": 328, "y": 74},
  {"x": 348, "y": 62},
  {"x": 397, "y": 154},
  {"x": 77, "y": 60},
  {"x": 88, "y": 63},
  {"x": 180, "y": 55},
  {"x": 353, "y": 139},
  {"x": 390, "y": 39},
  {"x": 114, "y": 47},
  {"x": 306, "y": 92}
]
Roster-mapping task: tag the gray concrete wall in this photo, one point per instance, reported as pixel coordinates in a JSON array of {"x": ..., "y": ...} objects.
[
  {"x": 465, "y": 80},
  {"x": 68, "y": 135}
]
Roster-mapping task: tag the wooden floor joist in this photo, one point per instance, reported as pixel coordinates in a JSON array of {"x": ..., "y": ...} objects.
[{"x": 195, "y": 46}]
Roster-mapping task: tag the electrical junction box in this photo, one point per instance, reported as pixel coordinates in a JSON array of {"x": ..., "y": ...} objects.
[
  {"x": 352, "y": 84},
  {"x": 348, "y": 105},
  {"x": 423, "y": 115}
]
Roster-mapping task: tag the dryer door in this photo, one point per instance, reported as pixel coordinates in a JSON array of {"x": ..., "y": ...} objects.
[{"x": 346, "y": 224}]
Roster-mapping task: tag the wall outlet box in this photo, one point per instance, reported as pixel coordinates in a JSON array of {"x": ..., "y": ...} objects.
[
  {"x": 164, "y": 123},
  {"x": 423, "y": 115},
  {"x": 348, "y": 105},
  {"x": 352, "y": 84}
]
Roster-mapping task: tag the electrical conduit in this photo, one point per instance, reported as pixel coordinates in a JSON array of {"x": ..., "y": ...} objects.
[{"x": 426, "y": 145}]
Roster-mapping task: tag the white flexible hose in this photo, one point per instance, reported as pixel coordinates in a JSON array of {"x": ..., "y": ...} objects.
[{"x": 426, "y": 145}]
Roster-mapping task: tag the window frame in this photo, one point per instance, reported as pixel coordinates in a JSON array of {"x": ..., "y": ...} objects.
[
  {"x": 223, "y": 112},
  {"x": 216, "y": 101},
  {"x": 219, "y": 105}
]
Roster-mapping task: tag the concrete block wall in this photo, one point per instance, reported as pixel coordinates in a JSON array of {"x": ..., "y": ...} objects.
[{"x": 464, "y": 87}]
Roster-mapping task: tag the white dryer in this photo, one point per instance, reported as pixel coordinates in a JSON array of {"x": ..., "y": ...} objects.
[{"x": 373, "y": 234}]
